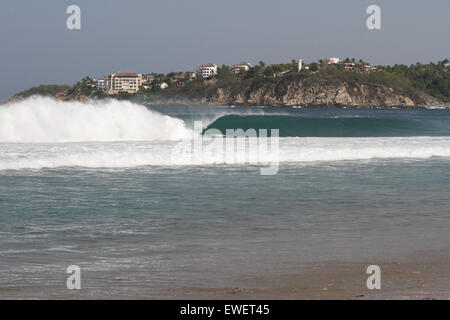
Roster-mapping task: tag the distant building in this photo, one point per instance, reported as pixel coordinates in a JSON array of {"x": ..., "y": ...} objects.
[
  {"x": 163, "y": 85},
  {"x": 368, "y": 68},
  {"x": 125, "y": 81},
  {"x": 206, "y": 71},
  {"x": 190, "y": 75},
  {"x": 334, "y": 60},
  {"x": 179, "y": 76},
  {"x": 149, "y": 78},
  {"x": 349, "y": 66},
  {"x": 176, "y": 81},
  {"x": 300, "y": 65},
  {"x": 238, "y": 68},
  {"x": 104, "y": 83}
]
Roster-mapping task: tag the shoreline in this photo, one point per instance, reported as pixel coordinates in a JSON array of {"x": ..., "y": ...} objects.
[
  {"x": 401, "y": 279},
  {"x": 404, "y": 279},
  {"x": 213, "y": 105},
  {"x": 426, "y": 107}
]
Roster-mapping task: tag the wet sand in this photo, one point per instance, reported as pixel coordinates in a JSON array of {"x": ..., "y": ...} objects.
[
  {"x": 423, "y": 276},
  {"x": 420, "y": 277}
]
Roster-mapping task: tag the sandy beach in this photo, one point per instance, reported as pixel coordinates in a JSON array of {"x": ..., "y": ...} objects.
[{"x": 425, "y": 276}]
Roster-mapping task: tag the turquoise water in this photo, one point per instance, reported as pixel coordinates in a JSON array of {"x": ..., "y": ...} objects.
[
  {"x": 295, "y": 125},
  {"x": 138, "y": 227}
]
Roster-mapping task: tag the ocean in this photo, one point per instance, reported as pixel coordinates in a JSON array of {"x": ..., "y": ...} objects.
[{"x": 98, "y": 185}]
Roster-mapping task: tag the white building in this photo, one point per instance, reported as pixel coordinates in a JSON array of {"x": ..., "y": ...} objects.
[
  {"x": 334, "y": 60},
  {"x": 164, "y": 85},
  {"x": 125, "y": 81},
  {"x": 368, "y": 68},
  {"x": 104, "y": 83},
  {"x": 148, "y": 78},
  {"x": 206, "y": 71},
  {"x": 300, "y": 65},
  {"x": 238, "y": 68},
  {"x": 349, "y": 66}
]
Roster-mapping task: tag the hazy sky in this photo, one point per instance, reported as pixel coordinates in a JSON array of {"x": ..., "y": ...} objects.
[{"x": 177, "y": 35}]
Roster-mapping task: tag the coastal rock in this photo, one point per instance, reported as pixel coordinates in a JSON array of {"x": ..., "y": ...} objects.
[
  {"x": 328, "y": 94},
  {"x": 291, "y": 93}
]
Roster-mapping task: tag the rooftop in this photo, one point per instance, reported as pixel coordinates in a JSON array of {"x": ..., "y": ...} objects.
[
  {"x": 209, "y": 65},
  {"x": 242, "y": 64},
  {"x": 125, "y": 74}
]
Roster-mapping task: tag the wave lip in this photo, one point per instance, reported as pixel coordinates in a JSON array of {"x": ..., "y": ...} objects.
[
  {"x": 46, "y": 120},
  {"x": 336, "y": 126}
]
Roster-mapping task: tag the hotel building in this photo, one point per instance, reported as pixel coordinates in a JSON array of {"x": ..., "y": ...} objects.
[{"x": 125, "y": 81}]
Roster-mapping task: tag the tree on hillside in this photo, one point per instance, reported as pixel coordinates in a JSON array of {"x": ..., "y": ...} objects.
[{"x": 314, "y": 66}]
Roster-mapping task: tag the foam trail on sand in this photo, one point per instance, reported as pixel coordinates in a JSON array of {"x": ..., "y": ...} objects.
[{"x": 41, "y": 119}]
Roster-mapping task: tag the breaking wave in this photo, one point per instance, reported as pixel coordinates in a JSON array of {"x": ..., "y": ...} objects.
[
  {"x": 41, "y": 119},
  {"x": 42, "y": 133}
]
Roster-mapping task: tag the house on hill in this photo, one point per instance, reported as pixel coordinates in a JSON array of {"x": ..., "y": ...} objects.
[
  {"x": 238, "y": 68},
  {"x": 206, "y": 71}
]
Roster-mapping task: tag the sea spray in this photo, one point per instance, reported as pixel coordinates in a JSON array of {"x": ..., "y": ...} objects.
[{"x": 42, "y": 119}]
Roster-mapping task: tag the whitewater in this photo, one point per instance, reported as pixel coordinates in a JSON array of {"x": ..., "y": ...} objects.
[
  {"x": 40, "y": 133},
  {"x": 41, "y": 119}
]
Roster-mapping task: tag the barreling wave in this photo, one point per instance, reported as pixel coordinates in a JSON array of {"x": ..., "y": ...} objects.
[
  {"x": 40, "y": 119},
  {"x": 44, "y": 133},
  {"x": 302, "y": 126}
]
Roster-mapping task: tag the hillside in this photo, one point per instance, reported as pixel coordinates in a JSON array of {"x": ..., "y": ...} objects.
[
  {"x": 281, "y": 85},
  {"x": 328, "y": 85},
  {"x": 43, "y": 90}
]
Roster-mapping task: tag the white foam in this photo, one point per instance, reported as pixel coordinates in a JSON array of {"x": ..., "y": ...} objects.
[
  {"x": 162, "y": 153},
  {"x": 44, "y": 133},
  {"x": 39, "y": 119}
]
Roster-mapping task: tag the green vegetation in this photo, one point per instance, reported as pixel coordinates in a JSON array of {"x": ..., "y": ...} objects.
[
  {"x": 275, "y": 79},
  {"x": 433, "y": 78},
  {"x": 85, "y": 87},
  {"x": 43, "y": 90}
]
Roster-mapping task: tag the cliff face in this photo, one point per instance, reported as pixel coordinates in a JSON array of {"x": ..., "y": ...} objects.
[
  {"x": 339, "y": 94},
  {"x": 292, "y": 93}
]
